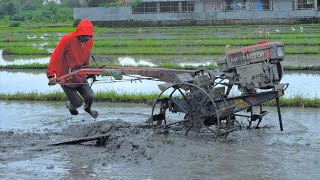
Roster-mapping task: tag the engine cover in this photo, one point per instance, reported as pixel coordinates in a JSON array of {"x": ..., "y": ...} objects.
[{"x": 256, "y": 66}]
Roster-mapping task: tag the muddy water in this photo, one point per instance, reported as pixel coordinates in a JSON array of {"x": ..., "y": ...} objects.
[
  {"x": 33, "y": 115},
  {"x": 12, "y": 81},
  {"x": 265, "y": 153}
]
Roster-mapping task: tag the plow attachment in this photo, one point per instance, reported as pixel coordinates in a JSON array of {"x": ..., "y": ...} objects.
[{"x": 204, "y": 108}]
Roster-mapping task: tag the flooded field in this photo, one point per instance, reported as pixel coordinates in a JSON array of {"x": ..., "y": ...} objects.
[
  {"x": 121, "y": 60},
  {"x": 13, "y": 81},
  {"x": 26, "y": 128},
  {"x": 155, "y": 60},
  {"x": 131, "y": 152}
]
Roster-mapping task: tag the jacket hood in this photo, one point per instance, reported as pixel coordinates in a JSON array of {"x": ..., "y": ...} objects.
[{"x": 85, "y": 27}]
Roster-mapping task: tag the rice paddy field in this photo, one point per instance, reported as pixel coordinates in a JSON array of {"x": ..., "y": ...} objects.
[
  {"x": 33, "y": 114},
  {"x": 170, "y": 47}
]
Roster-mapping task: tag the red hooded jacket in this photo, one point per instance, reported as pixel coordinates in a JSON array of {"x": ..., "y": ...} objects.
[{"x": 71, "y": 52}]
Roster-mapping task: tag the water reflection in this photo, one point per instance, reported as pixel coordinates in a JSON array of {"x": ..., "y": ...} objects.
[
  {"x": 15, "y": 114},
  {"x": 36, "y": 81},
  {"x": 194, "y": 64},
  {"x": 41, "y": 45},
  {"x": 23, "y": 61},
  {"x": 302, "y": 84},
  {"x": 151, "y": 61},
  {"x": 45, "y": 166},
  {"x": 129, "y": 61},
  {"x": 157, "y": 60}
]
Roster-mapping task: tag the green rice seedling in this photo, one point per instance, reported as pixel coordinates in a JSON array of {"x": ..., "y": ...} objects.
[
  {"x": 24, "y": 66},
  {"x": 169, "y": 65},
  {"x": 25, "y": 50},
  {"x": 296, "y": 101},
  {"x": 49, "y": 30},
  {"x": 34, "y": 96},
  {"x": 113, "y": 96},
  {"x": 298, "y": 68}
]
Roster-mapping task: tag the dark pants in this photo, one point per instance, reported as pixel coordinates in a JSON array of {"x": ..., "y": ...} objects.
[{"x": 74, "y": 98}]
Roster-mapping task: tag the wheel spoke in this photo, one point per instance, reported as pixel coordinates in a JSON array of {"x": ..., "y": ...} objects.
[{"x": 191, "y": 101}]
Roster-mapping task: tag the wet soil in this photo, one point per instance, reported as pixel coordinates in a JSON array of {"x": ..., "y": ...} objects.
[{"x": 132, "y": 152}]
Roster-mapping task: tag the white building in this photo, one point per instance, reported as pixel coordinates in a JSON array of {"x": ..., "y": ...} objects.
[{"x": 190, "y": 12}]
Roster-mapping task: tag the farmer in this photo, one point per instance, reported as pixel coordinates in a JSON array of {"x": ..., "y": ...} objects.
[{"x": 73, "y": 51}]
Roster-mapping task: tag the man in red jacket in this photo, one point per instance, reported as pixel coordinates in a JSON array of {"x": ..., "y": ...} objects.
[{"x": 74, "y": 51}]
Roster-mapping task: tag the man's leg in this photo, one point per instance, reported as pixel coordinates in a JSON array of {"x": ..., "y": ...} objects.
[
  {"x": 75, "y": 100},
  {"x": 88, "y": 96}
]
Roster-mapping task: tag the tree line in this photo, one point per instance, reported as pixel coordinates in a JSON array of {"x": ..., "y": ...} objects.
[{"x": 47, "y": 10}]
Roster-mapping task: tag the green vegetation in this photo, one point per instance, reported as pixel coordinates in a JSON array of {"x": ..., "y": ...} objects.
[
  {"x": 304, "y": 68},
  {"x": 208, "y": 40},
  {"x": 31, "y": 27},
  {"x": 25, "y": 66},
  {"x": 25, "y": 51},
  {"x": 296, "y": 101},
  {"x": 113, "y": 96},
  {"x": 14, "y": 13}
]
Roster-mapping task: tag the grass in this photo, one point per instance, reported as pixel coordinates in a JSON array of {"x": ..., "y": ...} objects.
[
  {"x": 187, "y": 40},
  {"x": 304, "y": 68},
  {"x": 113, "y": 96},
  {"x": 25, "y": 51},
  {"x": 296, "y": 101},
  {"x": 25, "y": 66},
  {"x": 156, "y": 50},
  {"x": 34, "y": 96}
]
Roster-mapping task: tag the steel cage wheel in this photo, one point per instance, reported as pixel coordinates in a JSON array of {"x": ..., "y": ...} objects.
[{"x": 191, "y": 113}]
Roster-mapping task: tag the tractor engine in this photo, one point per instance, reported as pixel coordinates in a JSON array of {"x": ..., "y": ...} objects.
[
  {"x": 256, "y": 66},
  {"x": 203, "y": 97}
]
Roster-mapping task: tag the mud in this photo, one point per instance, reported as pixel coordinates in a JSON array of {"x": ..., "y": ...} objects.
[{"x": 142, "y": 153}]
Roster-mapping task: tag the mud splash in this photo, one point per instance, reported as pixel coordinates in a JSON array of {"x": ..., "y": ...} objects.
[{"x": 141, "y": 153}]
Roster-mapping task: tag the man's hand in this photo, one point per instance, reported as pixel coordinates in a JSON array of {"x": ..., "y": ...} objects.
[
  {"x": 52, "y": 81},
  {"x": 93, "y": 76}
]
